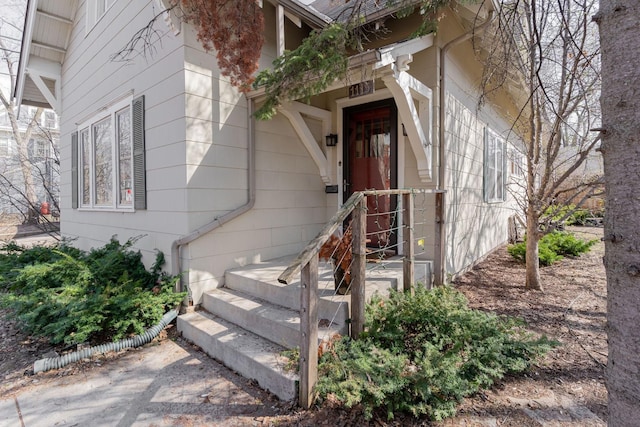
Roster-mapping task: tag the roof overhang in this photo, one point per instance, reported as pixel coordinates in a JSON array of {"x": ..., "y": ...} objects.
[{"x": 45, "y": 38}]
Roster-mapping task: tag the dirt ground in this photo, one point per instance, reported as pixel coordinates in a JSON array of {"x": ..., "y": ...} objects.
[{"x": 565, "y": 389}]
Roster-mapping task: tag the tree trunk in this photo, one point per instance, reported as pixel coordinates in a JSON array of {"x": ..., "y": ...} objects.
[
  {"x": 533, "y": 262},
  {"x": 27, "y": 175},
  {"x": 26, "y": 167},
  {"x": 619, "y": 22}
]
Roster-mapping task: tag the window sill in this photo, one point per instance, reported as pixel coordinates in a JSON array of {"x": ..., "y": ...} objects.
[{"x": 106, "y": 209}]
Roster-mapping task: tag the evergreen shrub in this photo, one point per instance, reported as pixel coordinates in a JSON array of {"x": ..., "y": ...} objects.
[
  {"x": 72, "y": 296},
  {"x": 553, "y": 247},
  {"x": 423, "y": 353}
]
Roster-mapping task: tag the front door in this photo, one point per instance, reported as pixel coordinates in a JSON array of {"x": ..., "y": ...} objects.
[{"x": 370, "y": 159}]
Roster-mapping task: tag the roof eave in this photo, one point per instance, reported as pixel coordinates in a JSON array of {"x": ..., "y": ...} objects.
[
  {"x": 25, "y": 49},
  {"x": 310, "y": 15}
]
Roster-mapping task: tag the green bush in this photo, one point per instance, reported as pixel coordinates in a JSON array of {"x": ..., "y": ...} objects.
[
  {"x": 71, "y": 296},
  {"x": 423, "y": 353},
  {"x": 567, "y": 214},
  {"x": 566, "y": 244},
  {"x": 14, "y": 257},
  {"x": 578, "y": 217},
  {"x": 553, "y": 247},
  {"x": 546, "y": 256}
]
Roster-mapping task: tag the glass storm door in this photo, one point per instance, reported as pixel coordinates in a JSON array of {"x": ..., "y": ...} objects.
[{"x": 370, "y": 161}]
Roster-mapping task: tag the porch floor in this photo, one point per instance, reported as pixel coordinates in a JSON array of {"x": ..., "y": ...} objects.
[{"x": 380, "y": 276}]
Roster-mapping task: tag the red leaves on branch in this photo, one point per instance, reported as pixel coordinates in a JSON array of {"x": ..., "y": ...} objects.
[
  {"x": 339, "y": 251},
  {"x": 235, "y": 30}
]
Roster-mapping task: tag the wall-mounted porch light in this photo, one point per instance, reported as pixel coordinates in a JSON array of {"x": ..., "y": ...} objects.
[{"x": 332, "y": 140}]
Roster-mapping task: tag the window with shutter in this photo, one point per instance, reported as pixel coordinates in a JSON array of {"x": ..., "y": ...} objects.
[{"x": 109, "y": 158}]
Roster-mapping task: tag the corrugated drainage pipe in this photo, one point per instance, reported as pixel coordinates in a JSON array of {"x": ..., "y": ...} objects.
[{"x": 49, "y": 363}]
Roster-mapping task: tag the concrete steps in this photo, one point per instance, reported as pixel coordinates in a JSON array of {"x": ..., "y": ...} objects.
[
  {"x": 276, "y": 323},
  {"x": 262, "y": 280},
  {"x": 249, "y": 322},
  {"x": 246, "y": 353}
]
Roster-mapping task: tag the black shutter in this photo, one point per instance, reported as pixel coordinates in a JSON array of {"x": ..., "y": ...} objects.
[
  {"x": 504, "y": 171},
  {"x": 485, "y": 167},
  {"x": 139, "y": 166},
  {"x": 74, "y": 170}
]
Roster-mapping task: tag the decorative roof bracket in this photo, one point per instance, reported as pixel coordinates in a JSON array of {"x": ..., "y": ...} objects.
[
  {"x": 293, "y": 111},
  {"x": 414, "y": 101}
]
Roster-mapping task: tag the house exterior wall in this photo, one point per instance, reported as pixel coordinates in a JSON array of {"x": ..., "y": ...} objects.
[
  {"x": 290, "y": 206},
  {"x": 196, "y": 150},
  {"x": 44, "y": 169},
  {"x": 90, "y": 81},
  {"x": 474, "y": 227}
]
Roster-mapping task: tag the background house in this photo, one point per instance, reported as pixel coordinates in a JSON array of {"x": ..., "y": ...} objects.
[
  {"x": 28, "y": 164},
  {"x": 42, "y": 160}
]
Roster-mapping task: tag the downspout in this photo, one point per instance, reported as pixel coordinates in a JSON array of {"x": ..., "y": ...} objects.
[
  {"x": 441, "y": 117},
  {"x": 220, "y": 221},
  {"x": 440, "y": 265}
]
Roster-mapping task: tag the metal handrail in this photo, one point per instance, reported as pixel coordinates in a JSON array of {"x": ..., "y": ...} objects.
[{"x": 314, "y": 246}]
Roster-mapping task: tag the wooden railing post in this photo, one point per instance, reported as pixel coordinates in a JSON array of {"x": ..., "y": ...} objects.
[
  {"x": 408, "y": 278},
  {"x": 358, "y": 268},
  {"x": 308, "y": 332}
]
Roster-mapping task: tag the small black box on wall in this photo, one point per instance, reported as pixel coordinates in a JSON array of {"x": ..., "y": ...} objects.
[{"x": 331, "y": 189}]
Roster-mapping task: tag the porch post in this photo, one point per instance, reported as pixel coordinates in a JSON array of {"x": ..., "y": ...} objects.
[
  {"x": 438, "y": 263},
  {"x": 408, "y": 278},
  {"x": 308, "y": 332},
  {"x": 358, "y": 269}
]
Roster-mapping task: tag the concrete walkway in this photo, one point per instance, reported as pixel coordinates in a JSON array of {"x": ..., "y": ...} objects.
[
  {"x": 166, "y": 384},
  {"x": 20, "y": 231},
  {"x": 173, "y": 384}
]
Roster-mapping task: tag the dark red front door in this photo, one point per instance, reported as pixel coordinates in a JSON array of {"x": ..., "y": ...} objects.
[{"x": 370, "y": 160}]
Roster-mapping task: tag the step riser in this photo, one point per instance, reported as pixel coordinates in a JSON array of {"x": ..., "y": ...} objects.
[
  {"x": 286, "y": 335},
  {"x": 285, "y": 387},
  {"x": 287, "y": 296}
]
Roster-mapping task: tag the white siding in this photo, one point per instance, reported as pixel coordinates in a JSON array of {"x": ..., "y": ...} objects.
[
  {"x": 90, "y": 81},
  {"x": 290, "y": 205},
  {"x": 474, "y": 227}
]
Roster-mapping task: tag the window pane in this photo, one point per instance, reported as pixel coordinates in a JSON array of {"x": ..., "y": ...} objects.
[
  {"x": 50, "y": 119},
  {"x": 85, "y": 155},
  {"x": 499, "y": 171},
  {"x": 123, "y": 120},
  {"x": 101, "y": 7},
  {"x": 492, "y": 172},
  {"x": 4, "y": 147},
  {"x": 103, "y": 163}
]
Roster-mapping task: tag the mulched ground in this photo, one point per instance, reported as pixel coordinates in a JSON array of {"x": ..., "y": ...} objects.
[{"x": 572, "y": 310}]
